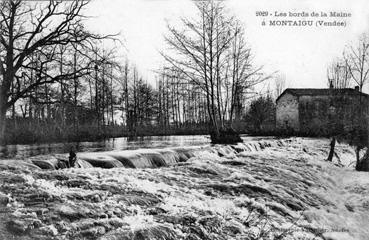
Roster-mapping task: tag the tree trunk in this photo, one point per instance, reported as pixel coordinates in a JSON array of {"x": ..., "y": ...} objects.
[
  {"x": 362, "y": 164},
  {"x": 4, "y": 89},
  {"x": 2, "y": 120},
  {"x": 357, "y": 154},
  {"x": 331, "y": 151}
]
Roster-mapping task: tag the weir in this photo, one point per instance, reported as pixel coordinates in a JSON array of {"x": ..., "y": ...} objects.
[{"x": 145, "y": 158}]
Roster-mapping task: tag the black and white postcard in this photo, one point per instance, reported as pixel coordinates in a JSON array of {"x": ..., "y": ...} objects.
[{"x": 184, "y": 119}]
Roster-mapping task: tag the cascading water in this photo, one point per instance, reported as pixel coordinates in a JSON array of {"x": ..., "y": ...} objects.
[
  {"x": 156, "y": 158},
  {"x": 188, "y": 192}
]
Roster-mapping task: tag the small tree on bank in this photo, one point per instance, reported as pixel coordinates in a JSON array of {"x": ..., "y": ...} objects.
[{"x": 260, "y": 113}]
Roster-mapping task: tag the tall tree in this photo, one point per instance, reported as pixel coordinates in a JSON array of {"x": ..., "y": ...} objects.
[
  {"x": 31, "y": 28},
  {"x": 210, "y": 53}
]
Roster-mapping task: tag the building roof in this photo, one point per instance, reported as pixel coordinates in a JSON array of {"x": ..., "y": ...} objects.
[{"x": 321, "y": 92}]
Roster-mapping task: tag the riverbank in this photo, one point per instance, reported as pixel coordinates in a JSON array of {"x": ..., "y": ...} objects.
[{"x": 266, "y": 189}]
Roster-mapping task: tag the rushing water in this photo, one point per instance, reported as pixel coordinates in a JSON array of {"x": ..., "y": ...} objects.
[{"x": 24, "y": 151}]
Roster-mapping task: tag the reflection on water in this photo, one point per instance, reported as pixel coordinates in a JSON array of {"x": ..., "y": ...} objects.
[{"x": 24, "y": 151}]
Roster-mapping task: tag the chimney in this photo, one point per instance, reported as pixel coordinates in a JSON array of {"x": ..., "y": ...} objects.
[{"x": 357, "y": 88}]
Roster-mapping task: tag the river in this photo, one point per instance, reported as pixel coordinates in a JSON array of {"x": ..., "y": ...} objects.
[{"x": 29, "y": 150}]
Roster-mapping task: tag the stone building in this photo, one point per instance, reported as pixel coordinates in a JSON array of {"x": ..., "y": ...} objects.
[{"x": 320, "y": 111}]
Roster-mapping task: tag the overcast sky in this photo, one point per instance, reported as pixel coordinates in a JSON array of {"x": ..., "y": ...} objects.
[{"x": 300, "y": 53}]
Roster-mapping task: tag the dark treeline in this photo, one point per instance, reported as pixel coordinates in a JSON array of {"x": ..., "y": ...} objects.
[{"x": 115, "y": 101}]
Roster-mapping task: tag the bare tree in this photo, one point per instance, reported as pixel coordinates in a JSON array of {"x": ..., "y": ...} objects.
[
  {"x": 210, "y": 52},
  {"x": 243, "y": 76},
  {"x": 357, "y": 60},
  {"x": 338, "y": 74},
  {"x": 280, "y": 84},
  {"x": 29, "y": 29}
]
